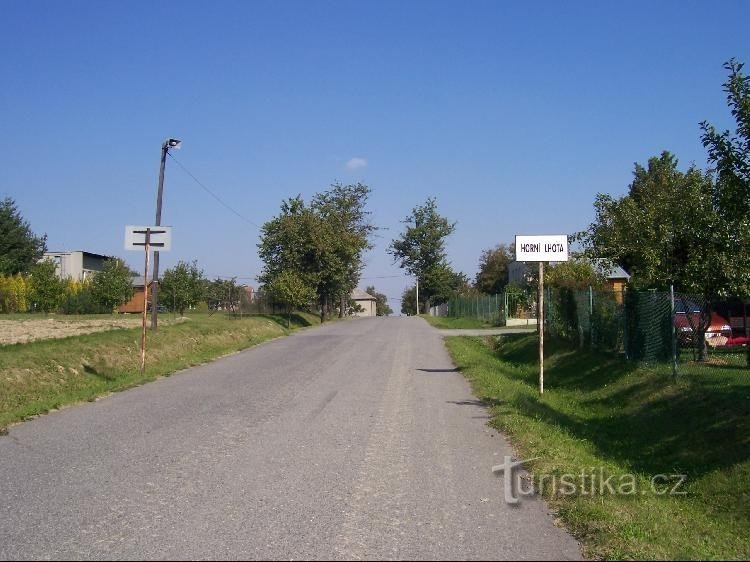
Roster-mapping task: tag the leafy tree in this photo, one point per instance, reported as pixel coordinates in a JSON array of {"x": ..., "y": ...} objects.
[
  {"x": 381, "y": 302},
  {"x": 322, "y": 242},
  {"x": 421, "y": 251},
  {"x": 665, "y": 231},
  {"x": 439, "y": 283},
  {"x": 730, "y": 156},
  {"x": 112, "y": 286},
  {"x": 290, "y": 289},
  {"x": 20, "y": 249},
  {"x": 79, "y": 299},
  {"x": 409, "y": 301},
  {"x": 344, "y": 209},
  {"x": 661, "y": 231},
  {"x": 573, "y": 274},
  {"x": 493, "y": 269},
  {"x": 222, "y": 293},
  {"x": 46, "y": 289},
  {"x": 182, "y": 286}
]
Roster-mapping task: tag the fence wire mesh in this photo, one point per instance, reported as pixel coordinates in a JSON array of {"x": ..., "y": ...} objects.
[
  {"x": 681, "y": 333},
  {"x": 500, "y": 309}
]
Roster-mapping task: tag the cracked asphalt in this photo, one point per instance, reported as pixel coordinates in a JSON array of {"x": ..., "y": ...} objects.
[{"x": 355, "y": 440}]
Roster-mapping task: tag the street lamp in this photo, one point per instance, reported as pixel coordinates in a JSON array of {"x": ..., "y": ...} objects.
[{"x": 166, "y": 145}]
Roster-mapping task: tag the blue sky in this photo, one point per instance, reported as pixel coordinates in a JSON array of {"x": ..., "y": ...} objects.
[{"x": 513, "y": 115}]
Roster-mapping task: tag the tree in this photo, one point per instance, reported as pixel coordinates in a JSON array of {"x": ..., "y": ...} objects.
[
  {"x": 344, "y": 208},
  {"x": 381, "y": 302},
  {"x": 222, "y": 293},
  {"x": 574, "y": 274},
  {"x": 20, "y": 249},
  {"x": 290, "y": 289},
  {"x": 730, "y": 156},
  {"x": 112, "y": 286},
  {"x": 493, "y": 269},
  {"x": 661, "y": 231},
  {"x": 665, "y": 231},
  {"x": 47, "y": 290},
  {"x": 323, "y": 243},
  {"x": 409, "y": 301},
  {"x": 182, "y": 286},
  {"x": 421, "y": 251}
]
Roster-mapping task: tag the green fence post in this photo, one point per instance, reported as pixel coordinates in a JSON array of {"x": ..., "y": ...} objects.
[
  {"x": 674, "y": 332},
  {"x": 591, "y": 317}
]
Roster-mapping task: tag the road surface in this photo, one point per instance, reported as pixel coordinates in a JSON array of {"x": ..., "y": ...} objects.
[{"x": 352, "y": 440}]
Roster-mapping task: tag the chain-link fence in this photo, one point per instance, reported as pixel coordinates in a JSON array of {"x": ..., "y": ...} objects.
[
  {"x": 509, "y": 308},
  {"x": 241, "y": 302},
  {"x": 681, "y": 333}
]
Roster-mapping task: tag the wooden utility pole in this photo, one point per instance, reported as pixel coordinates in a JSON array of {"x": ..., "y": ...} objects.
[{"x": 145, "y": 301}]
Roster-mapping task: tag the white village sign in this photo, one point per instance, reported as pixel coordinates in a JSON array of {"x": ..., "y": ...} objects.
[{"x": 541, "y": 248}]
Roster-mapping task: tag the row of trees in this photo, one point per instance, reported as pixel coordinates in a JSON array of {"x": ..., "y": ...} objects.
[{"x": 690, "y": 229}]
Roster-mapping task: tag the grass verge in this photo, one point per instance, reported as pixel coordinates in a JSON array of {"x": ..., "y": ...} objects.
[
  {"x": 446, "y": 323},
  {"x": 603, "y": 412},
  {"x": 40, "y": 376}
]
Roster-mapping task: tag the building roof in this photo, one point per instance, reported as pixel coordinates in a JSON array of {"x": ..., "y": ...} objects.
[
  {"x": 613, "y": 272},
  {"x": 137, "y": 280},
  {"x": 360, "y": 295},
  {"x": 76, "y": 252}
]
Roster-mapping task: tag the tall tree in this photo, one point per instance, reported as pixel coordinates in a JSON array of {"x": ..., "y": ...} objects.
[
  {"x": 660, "y": 231},
  {"x": 322, "y": 243},
  {"x": 421, "y": 251},
  {"x": 730, "y": 156},
  {"x": 492, "y": 276},
  {"x": 665, "y": 231},
  {"x": 381, "y": 302},
  {"x": 344, "y": 209},
  {"x": 113, "y": 286},
  {"x": 20, "y": 248},
  {"x": 182, "y": 286}
]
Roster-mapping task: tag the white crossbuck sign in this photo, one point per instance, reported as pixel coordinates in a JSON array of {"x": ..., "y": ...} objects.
[{"x": 160, "y": 237}]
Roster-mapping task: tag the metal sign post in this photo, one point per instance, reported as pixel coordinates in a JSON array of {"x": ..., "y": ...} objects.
[
  {"x": 146, "y": 237},
  {"x": 541, "y": 249}
]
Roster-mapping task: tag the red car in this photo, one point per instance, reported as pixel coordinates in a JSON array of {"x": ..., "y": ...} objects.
[{"x": 688, "y": 317}]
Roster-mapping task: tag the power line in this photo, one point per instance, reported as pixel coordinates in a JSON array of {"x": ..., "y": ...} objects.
[{"x": 211, "y": 193}]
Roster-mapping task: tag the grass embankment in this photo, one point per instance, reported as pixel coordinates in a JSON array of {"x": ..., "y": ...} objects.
[
  {"x": 602, "y": 412},
  {"x": 447, "y": 323},
  {"x": 39, "y": 376}
]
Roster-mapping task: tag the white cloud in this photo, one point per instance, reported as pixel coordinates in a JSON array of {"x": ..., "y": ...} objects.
[{"x": 356, "y": 163}]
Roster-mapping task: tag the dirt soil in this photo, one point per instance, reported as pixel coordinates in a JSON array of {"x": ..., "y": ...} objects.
[{"x": 22, "y": 331}]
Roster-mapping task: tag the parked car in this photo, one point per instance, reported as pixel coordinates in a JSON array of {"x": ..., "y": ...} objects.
[{"x": 689, "y": 316}]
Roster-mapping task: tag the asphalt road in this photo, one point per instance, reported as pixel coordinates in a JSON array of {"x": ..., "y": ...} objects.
[{"x": 353, "y": 440}]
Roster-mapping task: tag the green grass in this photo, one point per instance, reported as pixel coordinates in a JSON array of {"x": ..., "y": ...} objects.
[
  {"x": 43, "y": 375},
  {"x": 446, "y": 323},
  {"x": 601, "y": 411}
]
